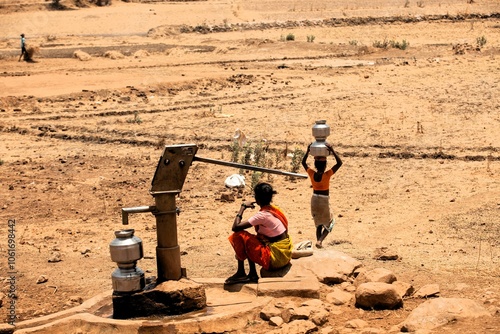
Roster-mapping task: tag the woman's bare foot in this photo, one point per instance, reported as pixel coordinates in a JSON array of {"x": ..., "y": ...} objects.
[{"x": 319, "y": 244}]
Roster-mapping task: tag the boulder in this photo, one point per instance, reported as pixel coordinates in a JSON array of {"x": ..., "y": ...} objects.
[
  {"x": 375, "y": 275},
  {"x": 330, "y": 266},
  {"x": 377, "y": 295},
  {"x": 441, "y": 311}
]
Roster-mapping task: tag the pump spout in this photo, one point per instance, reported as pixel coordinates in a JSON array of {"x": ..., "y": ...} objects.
[{"x": 137, "y": 209}]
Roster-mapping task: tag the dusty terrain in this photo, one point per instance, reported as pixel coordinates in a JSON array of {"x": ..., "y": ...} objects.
[{"x": 418, "y": 130}]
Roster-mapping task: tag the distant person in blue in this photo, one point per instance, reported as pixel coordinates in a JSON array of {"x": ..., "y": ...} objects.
[{"x": 23, "y": 48}]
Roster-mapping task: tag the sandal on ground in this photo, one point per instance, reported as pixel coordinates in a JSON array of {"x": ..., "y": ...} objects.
[
  {"x": 241, "y": 280},
  {"x": 253, "y": 279}
]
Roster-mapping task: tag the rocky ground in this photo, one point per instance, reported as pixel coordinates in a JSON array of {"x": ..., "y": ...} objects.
[{"x": 409, "y": 91}]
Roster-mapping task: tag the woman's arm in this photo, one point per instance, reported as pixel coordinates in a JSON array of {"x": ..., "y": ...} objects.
[
  {"x": 304, "y": 159},
  {"x": 239, "y": 224},
  {"x": 338, "y": 161}
]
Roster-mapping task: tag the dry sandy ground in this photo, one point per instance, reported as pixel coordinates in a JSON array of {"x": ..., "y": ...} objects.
[{"x": 418, "y": 130}]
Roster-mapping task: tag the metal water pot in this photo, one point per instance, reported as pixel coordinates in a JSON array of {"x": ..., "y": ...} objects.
[
  {"x": 318, "y": 149},
  {"x": 320, "y": 131},
  {"x": 126, "y": 249}
]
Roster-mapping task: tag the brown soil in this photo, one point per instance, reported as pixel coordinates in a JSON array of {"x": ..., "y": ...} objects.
[{"x": 418, "y": 130}]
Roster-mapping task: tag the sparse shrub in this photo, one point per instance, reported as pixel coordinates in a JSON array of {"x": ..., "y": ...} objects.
[
  {"x": 247, "y": 154},
  {"x": 480, "y": 41},
  {"x": 136, "y": 119},
  {"x": 353, "y": 42},
  {"x": 235, "y": 151},
  {"x": 296, "y": 162},
  {"x": 255, "y": 178},
  {"x": 310, "y": 38},
  {"x": 385, "y": 44},
  {"x": 420, "y": 4},
  {"x": 407, "y": 3},
  {"x": 381, "y": 44},
  {"x": 1, "y": 162},
  {"x": 290, "y": 37},
  {"x": 397, "y": 45}
]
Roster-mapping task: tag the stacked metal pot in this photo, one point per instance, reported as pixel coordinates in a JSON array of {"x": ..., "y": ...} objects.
[{"x": 126, "y": 250}]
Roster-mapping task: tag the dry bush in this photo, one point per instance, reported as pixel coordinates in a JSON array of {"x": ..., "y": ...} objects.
[{"x": 83, "y": 56}]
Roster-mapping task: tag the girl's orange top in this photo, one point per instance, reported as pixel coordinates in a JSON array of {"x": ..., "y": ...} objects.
[{"x": 324, "y": 184}]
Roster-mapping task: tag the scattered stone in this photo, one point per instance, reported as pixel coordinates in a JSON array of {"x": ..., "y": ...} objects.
[
  {"x": 429, "y": 290},
  {"x": 441, "y": 311},
  {"x": 375, "y": 275},
  {"x": 292, "y": 314},
  {"x": 299, "y": 327},
  {"x": 276, "y": 321},
  {"x": 346, "y": 286},
  {"x": 404, "y": 289},
  {"x": 319, "y": 316},
  {"x": 339, "y": 297},
  {"x": 269, "y": 311},
  {"x": 42, "y": 279},
  {"x": 55, "y": 257},
  {"x": 385, "y": 254},
  {"x": 313, "y": 303},
  {"x": 377, "y": 295},
  {"x": 76, "y": 299},
  {"x": 356, "y": 324},
  {"x": 141, "y": 54},
  {"x": 81, "y": 55},
  {"x": 114, "y": 55},
  {"x": 227, "y": 197},
  {"x": 84, "y": 251},
  {"x": 328, "y": 330}
]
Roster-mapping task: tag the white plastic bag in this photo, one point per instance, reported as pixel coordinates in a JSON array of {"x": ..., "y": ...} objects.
[{"x": 235, "y": 181}]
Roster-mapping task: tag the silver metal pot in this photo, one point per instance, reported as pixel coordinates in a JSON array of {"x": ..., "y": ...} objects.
[
  {"x": 320, "y": 131},
  {"x": 128, "y": 280},
  {"x": 126, "y": 249},
  {"x": 319, "y": 149}
]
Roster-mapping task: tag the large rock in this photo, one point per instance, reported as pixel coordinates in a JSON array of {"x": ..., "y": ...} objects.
[
  {"x": 167, "y": 298},
  {"x": 376, "y": 295},
  {"x": 375, "y": 275},
  {"x": 440, "y": 311},
  {"x": 330, "y": 266}
]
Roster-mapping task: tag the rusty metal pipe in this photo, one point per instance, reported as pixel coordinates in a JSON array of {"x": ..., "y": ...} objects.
[
  {"x": 137, "y": 209},
  {"x": 249, "y": 167}
]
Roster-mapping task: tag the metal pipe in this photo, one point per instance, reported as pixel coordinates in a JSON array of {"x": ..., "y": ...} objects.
[
  {"x": 249, "y": 167},
  {"x": 137, "y": 209}
]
